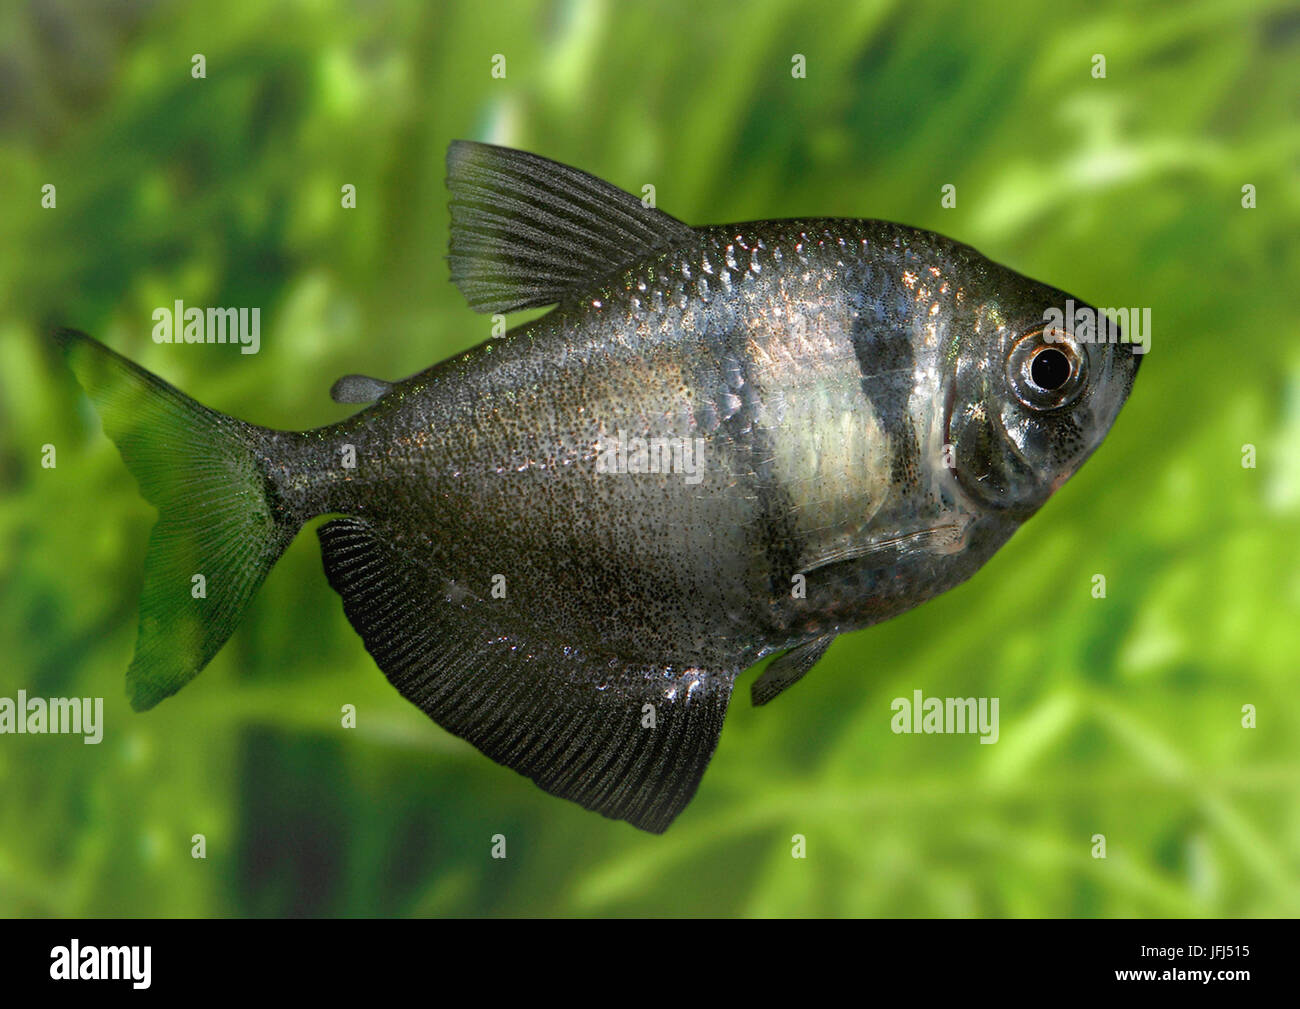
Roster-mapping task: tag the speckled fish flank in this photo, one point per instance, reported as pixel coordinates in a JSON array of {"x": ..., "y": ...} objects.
[{"x": 814, "y": 425}]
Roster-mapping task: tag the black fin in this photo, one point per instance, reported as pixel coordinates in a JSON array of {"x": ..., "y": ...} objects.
[
  {"x": 573, "y": 725},
  {"x": 358, "y": 389},
  {"x": 527, "y": 231},
  {"x": 788, "y": 669}
]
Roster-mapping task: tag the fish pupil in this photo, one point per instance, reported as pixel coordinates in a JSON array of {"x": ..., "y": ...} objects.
[{"x": 1050, "y": 369}]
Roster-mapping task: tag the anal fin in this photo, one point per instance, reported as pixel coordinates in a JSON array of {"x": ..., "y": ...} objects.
[
  {"x": 575, "y": 725},
  {"x": 788, "y": 669}
]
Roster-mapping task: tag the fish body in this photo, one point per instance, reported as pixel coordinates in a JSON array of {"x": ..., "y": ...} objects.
[
  {"x": 489, "y": 462},
  {"x": 722, "y": 443}
]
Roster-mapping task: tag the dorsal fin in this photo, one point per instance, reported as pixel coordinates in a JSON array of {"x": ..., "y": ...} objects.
[
  {"x": 628, "y": 741},
  {"x": 527, "y": 231}
]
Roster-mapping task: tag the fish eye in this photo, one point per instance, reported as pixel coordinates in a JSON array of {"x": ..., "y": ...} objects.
[
  {"x": 1046, "y": 369},
  {"x": 1050, "y": 369}
]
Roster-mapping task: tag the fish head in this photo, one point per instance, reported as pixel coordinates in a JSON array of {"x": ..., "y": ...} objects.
[{"x": 1038, "y": 378}]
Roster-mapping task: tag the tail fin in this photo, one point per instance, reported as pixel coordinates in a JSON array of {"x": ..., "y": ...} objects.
[{"x": 218, "y": 531}]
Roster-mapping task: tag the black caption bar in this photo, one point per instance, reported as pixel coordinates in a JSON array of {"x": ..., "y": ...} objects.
[{"x": 332, "y": 958}]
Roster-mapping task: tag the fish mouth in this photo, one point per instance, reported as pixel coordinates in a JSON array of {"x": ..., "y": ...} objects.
[{"x": 1137, "y": 363}]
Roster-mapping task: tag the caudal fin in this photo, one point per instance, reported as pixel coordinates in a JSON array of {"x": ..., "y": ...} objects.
[{"x": 218, "y": 531}]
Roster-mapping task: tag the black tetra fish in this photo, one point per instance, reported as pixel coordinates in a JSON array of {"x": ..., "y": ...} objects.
[{"x": 565, "y": 544}]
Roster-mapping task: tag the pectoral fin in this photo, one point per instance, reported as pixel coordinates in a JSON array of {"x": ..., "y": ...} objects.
[
  {"x": 888, "y": 551},
  {"x": 788, "y": 669},
  {"x": 527, "y": 231}
]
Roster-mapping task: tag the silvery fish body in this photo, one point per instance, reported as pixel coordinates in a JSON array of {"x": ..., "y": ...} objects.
[{"x": 723, "y": 443}]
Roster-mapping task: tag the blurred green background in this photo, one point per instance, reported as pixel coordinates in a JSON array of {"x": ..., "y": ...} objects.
[{"x": 1119, "y": 716}]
